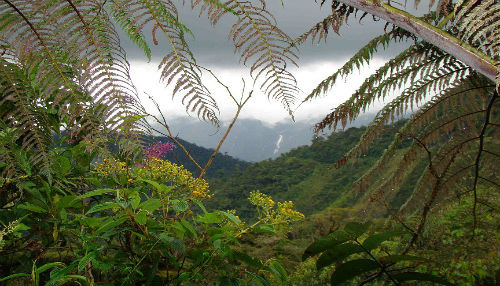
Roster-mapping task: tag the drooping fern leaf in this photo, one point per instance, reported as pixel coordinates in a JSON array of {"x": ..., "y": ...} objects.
[
  {"x": 478, "y": 23},
  {"x": 178, "y": 66},
  {"x": 396, "y": 72},
  {"x": 260, "y": 42}
]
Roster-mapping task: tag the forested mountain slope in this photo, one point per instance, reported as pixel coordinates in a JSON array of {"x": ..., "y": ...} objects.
[
  {"x": 222, "y": 165},
  {"x": 305, "y": 175}
]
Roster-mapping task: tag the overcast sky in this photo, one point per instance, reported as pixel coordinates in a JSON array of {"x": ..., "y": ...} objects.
[{"x": 214, "y": 50}]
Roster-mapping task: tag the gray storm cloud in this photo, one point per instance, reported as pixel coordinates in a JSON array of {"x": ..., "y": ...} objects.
[{"x": 212, "y": 47}]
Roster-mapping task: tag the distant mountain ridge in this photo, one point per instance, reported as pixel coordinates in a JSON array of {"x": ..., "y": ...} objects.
[
  {"x": 250, "y": 139},
  {"x": 222, "y": 165}
]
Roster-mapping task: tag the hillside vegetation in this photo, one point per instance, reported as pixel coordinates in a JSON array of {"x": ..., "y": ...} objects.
[
  {"x": 307, "y": 175},
  {"x": 222, "y": 165}
]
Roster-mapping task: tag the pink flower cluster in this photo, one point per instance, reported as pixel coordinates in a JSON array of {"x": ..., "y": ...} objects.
[{"x": 157, "y": 150}]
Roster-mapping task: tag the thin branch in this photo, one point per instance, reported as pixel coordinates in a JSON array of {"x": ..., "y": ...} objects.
[
  {"x": 435, "y": 189},
  {"x": 381, "y": 265},
  {"x": 478, "y": 159},
  {"x": 239, "y": 107},
  {"x": 489, "y": 181},
  {"x": 170, "y": 135},
  {"x": 395, "y": 216},
  {"x": 456, "y": 173},
  {"x": 491, "y": 153}
]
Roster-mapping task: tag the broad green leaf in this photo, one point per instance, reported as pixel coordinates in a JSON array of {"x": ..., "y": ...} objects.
[
  {"x": 264, "y": 228},
  {"x": 278, "y": 270},
  {"x": 200, "y": 204},
  {"x": 84, "y": 261},
  {"x": 224, "y": 248},
  {"x": 216, "y": 236},
  {"x": 33, "y": 208},
  {"x": 21, "y": 227},
  {"x": 210, "y": 218},
  {"x": 17, "y": 275},
  {"x": 373, "y": 241},
  {"x": 173, "y": 242},
  {"x": 102, "y": 207},
  {"x": 232, "y": 217},
  {"x": 351, "y": 269},
  {"x": 189, "y": 228},
  {"x": 134, "y": 203},
  {"x": 47, "y": 266},
  {"x": 110, "y": 224},
  {"x": 141, "y": 218},
  {"x": 257, "y": 279},
  {"x": 91, "y": 221},
  {"x": 96, "y": 193},
  {"x": 159, "y": 187},
  {"x": 416, "y": 276},
  {"x": 241, "y": 256},
  {"x": 337, "y": 253},
  {"x": 67, "y": 202},
  {"x": 151, "y": 205},
  {"x": 398, "y": 258},
  {"x": 325, "y": 243},
  {"x": 180, "y": 205},
  {"x": 356, "y": 229}
]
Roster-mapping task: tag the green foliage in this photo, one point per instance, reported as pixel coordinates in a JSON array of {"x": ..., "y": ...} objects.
[
  {"x": 222, "y": 165},
  {"x": 125, "y": 224},
  {"x": 305, "y": 175},
  {"x": 88, "y": 216},
  {"x": 337, "y": 249}
]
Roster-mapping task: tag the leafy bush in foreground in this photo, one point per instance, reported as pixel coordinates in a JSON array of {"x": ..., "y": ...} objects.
[{"x": 121, "y": 223}]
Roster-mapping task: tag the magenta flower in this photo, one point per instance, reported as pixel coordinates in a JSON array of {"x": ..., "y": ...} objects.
[{"x": 157, "y": 150}]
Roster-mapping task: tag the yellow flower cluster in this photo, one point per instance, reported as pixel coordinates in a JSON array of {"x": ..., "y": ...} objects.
[
  {"x": 283, "y": 213},
  {"x": 261, "y": 200},
  {"x": 164, "y": 171},
  {"x": 111, "y": 167}
]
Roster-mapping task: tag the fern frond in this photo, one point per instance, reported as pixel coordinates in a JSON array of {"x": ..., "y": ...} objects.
[
  {"x": 178, "y": 67},
  {"x": 434, "y": 124},
  {"x": 321, "y": 29},
  {"x": 122, "y": 17},
  {"x": 407, "y": 100},
  {"x": 21, "y": 111},
  {"x": 478, "y": 23},
  {"x": 257, "y": 38},
  {"x": 362, "y": 57},
  {"x": 395, "y": 73}
]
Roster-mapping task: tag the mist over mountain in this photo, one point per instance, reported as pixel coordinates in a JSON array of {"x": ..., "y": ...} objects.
[{"x": 251, "y": 139}]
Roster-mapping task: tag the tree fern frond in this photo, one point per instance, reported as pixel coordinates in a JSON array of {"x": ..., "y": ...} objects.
[
  {"x": 122, "y": 17},
  {"x": 178, "y": 67},
  {"x": 257, "y": 38},
  {"x": 24, "y": 114},
  {"x": 394, "y": 73},
  {"x": 408, "y": 99},
  {"x": 435, "y": 123},
  {"x": 321, "y": 29},
  {"x": 478, "y": 22},
  {"x": 363, "y": 56},
  {"x": 444, "y": 158}
]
